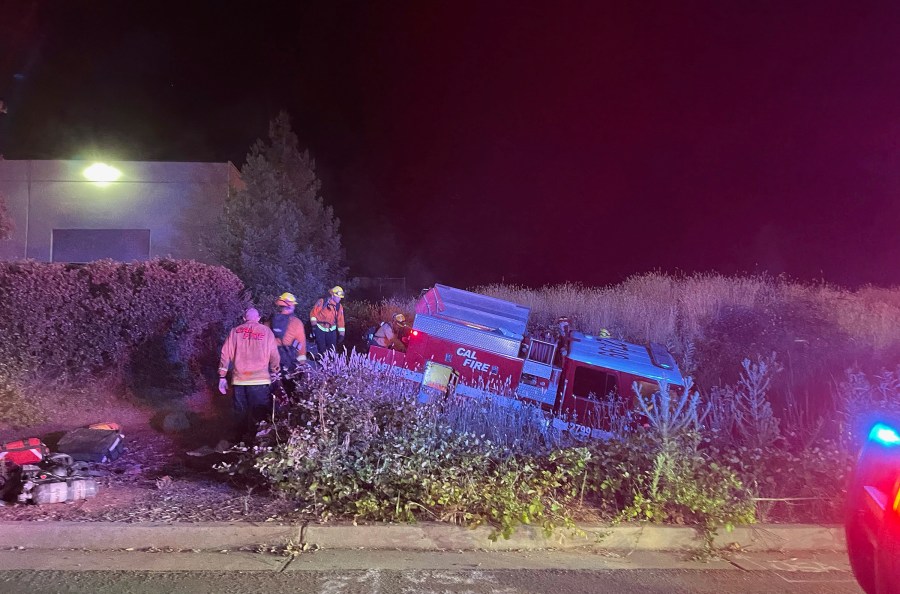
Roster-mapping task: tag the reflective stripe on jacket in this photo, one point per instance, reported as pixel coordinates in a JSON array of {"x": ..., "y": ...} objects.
[{"x": 326, "y": 316}]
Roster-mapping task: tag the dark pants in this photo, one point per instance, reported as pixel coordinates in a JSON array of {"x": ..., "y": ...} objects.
[
  {"x": 288, "y": 357},
  {"x": 252, "y": 404},
  {"x": 325, "y": 341}
]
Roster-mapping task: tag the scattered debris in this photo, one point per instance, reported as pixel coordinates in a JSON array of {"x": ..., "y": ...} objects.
[{"x": 193, "y": 492}]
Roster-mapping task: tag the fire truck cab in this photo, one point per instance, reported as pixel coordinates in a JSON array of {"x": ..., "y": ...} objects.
[{"x": 485, "y": 340}]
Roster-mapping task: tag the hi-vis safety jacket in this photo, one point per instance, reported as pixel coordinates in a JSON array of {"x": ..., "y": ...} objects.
[
  {"x": 326, "y": 316},
  {"x": 387, "y": 338},
  {"x": 294, "y": 335},
  {"x": 250, "y": 349}
]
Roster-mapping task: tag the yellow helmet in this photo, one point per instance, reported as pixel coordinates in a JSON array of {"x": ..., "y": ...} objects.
[
  {"x": 399, "y": 318},
  {"x": 286, "y": 300},
  {"x": 604, "y": 333},
  {"x": 337, "y": 291}
]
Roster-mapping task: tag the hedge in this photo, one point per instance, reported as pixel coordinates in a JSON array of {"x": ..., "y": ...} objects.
[{"x": 153, "y": 324}]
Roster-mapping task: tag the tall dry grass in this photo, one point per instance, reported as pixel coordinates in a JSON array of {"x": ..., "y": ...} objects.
[
  {"x": 646, "y": 307},
  {"x": 362, "y": 315},
  {"x": 712, "y": 322},
  {"x": 652, "y": 306},
  {"x": 816, "y": 330},
  {"x": 656, "y": 306}
]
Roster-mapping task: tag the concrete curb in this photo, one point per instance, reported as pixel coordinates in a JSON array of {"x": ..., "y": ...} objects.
[
  {"x": 100, "y": 536},
  {"x": 785, "y": 537},
  {"x": 423, "y": 536}
]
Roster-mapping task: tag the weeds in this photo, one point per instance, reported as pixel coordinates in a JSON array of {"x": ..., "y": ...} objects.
[
  {"x": 672, "y": 414},
  {"x": 861, "y": 398},
  {"x": 353, "y": 442},
  {"x": 754, "y": 418}
]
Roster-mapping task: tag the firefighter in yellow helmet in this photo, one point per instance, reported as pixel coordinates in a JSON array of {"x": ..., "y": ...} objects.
[
  {"x": 290, "y": 336},
  {"x": 565, "y": 332},
  {"x": 390, "y": 334},
  {"x": 327, "y": 320}
]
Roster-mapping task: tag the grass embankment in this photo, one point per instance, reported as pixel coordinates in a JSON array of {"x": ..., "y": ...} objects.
[
  {"x": 768, "y": 433},
  {"x": 783, "y": 370}
]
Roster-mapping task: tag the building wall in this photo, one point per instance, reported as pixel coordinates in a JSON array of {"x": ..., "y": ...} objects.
[{"x": 176, "y": 202}]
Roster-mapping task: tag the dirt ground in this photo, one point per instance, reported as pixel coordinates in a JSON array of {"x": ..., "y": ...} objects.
[{"x": 154, "y": 480}]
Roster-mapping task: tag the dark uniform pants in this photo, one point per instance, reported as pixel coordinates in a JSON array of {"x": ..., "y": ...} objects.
[
  {"x": 252, "y": 404},
  {"x": 325, "y": 341}
]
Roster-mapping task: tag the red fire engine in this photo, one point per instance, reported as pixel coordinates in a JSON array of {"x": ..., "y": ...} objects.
[{"x": 484, "y": 340}]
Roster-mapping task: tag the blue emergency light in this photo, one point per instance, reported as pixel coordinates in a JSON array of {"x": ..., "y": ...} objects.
[{"x": 884, "y": 435}]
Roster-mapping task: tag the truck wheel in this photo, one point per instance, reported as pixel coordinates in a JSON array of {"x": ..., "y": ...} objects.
[
  {"x": 862, "y": 558},
  {"x": 887, "y": 560},
  {"x": 859, "y": 548}
]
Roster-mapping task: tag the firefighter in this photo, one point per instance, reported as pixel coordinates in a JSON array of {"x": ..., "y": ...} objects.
[
  {"x": 290, "y": 335},
  {"x": 564, "y": 327},
  {"x": 564, "y": 336},
  {"x": 564, "y": 332},
  {"x": 327, "y": 320},
  {"x": 390, "y": 334},
  {"x": 252, "y": 355}
]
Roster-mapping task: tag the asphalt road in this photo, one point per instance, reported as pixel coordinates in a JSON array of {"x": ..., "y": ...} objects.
[
  {"x": 375, "y": 581},
  {"x": 38, "y": 571}
]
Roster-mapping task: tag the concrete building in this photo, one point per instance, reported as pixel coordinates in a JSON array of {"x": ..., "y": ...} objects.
[{"x": 72, "y": 211}]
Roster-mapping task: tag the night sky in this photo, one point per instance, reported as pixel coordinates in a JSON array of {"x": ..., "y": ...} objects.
[{"x": 533, "y": 142}]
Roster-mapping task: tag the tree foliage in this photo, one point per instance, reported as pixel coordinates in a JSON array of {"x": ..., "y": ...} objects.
[{"x": 276, "y": 232}]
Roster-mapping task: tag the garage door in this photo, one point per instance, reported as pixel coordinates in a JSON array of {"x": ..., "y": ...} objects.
[{"x": 87, "y": 245}]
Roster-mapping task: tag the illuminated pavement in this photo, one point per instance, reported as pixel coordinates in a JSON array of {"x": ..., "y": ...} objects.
[{"x": 403, "y": 572}]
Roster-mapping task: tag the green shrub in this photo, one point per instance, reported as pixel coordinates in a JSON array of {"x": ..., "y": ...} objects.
[
  {"x": 354, "y": 443},
  {"x": 422, "y": 472},
  {"x": 653, "y": 467},
  {"x": 794, "y": 471},
  {"x": 790, "y": 482},
  {"x": 618, "y": 471},
  {"x": 148, "y": 322},
  {"x": 687, "y": 487},
  {"x": 634, "y": 479}
]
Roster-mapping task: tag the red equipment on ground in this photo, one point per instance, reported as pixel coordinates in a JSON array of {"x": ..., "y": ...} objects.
[{"x": 24, "y": 451}]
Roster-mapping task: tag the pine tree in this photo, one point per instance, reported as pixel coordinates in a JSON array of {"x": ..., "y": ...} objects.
[{"x": 276, "y": 233}]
